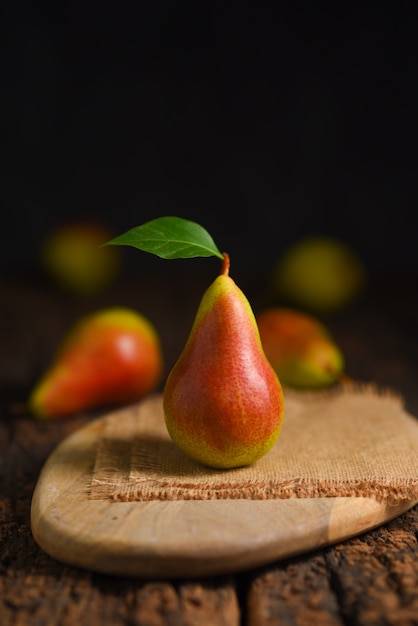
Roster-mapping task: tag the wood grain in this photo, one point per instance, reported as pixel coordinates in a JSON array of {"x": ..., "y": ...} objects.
[{"x": 181, "y": 538}]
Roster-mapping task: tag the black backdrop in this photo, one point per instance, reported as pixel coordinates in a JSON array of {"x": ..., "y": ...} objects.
[{"x": 262, "y": 121}]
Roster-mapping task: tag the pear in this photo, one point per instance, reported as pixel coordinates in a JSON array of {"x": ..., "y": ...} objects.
[
  {"x": 223, "y": 402},
  {"x": 73, "y": 257},
  {"x": 112, "y": 356},
  {"x": 319, "y": 274},
  {"x": 300, "y": 348}
]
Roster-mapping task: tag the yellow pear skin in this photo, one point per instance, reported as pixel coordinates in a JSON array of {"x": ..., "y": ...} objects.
[
  {"x": 223, "y": 402},
  {"x": 300, "y": 348}
]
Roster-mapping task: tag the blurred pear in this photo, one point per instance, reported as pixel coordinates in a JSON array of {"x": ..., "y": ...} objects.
[
  {"x": 109, "y": 357},
  {"x": 319, "y": 274},
  {"x": 72, "y": 255},
  {"x": 300, "y": 348}
]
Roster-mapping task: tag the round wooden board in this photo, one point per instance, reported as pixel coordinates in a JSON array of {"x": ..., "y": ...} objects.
[{"x": 183, "y": 538}]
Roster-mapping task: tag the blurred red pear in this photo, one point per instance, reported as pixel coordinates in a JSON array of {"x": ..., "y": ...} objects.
[
  {"x": 109, "y": 357},
  {"x": 300, "y": 348}
]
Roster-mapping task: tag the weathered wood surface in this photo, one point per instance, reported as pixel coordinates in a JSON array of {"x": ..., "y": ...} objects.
[{"x": 370, "y": 580}]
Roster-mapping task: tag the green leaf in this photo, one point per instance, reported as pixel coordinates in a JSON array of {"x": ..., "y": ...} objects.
[{"x": 169, "y": 238}]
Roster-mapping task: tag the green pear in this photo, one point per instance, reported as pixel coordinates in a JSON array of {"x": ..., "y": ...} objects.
[
  {"x": 109, "y": 357},
  {"x": 318, "y": 274},
  {"x": 300, "y": 348},
  {"x": 223, "y": 402},
  {"x": 73, "y": 257}
]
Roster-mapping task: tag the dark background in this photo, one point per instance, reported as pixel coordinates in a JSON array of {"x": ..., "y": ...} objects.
[{"x": 262, "y": 121}]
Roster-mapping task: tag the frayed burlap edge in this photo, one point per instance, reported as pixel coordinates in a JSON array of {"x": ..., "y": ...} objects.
[
  {"x": 298, "y": 488},
  {"x": 113, "y": 481}
]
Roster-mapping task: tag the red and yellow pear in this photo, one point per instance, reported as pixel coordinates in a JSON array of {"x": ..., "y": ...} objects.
[
  {"x": 223, "y": 402},
  {"x": 300, "y": 348},
  {"x": 110, "y": 357}
]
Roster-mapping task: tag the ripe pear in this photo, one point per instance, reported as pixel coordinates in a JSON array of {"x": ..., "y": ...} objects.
[
  {"x": 223, "y": 402},
  {"x": 319, "y": 274},
  {"x": 300, "y": 348},
  {"x": 73, "y": 256},
  {"x": 112, "y": 356}
]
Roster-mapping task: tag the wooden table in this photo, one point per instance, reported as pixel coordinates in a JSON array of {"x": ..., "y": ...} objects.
[{"x": 370, "y": 579}]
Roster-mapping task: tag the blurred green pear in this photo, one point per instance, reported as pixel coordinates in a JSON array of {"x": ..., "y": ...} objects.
[
  {"x": 319, "y": 274},
  {"x": 72, "y": 255}
]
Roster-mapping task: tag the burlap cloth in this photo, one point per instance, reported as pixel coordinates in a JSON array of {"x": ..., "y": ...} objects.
[{"x": 353, "y": 441}]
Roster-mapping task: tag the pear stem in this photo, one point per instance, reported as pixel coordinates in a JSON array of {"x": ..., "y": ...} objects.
[
  {"x": 345, "y": 379},
  {"x": 225, "y": 264}
]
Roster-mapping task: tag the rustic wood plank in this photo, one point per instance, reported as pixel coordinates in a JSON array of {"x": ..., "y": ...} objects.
[
  {"x": 295, "y": 592},
  {"x": 375, "y": 577},
  {"x": 71, "y": 597}
]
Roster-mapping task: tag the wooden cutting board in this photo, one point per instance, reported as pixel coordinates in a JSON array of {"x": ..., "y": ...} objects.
[{"x": 181, "y": 538}]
